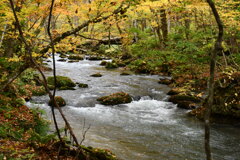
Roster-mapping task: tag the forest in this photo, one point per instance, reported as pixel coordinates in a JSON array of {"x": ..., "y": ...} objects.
[{"x": 120, "y": 79}]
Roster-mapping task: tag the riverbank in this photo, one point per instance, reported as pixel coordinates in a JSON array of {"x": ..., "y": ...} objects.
[{"x": 24, "y": 133}]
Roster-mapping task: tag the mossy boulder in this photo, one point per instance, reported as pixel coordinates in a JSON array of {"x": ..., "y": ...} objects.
[
  {"x": 75, "y": 57},
  {"x": 111, "y": 65},
  {"x": 96, "y": 75},
  {"x": 82, "y": 85},
  {"x": 185, "y": 101},
  {"x": 115, "y": 98},
  {"x": 62, "y": 82},
  {"x": 60, "y": 101}
]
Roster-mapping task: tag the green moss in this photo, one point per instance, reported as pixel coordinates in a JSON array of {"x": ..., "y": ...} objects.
[
  {"x": 82, "y": 85},
  {"x": 38, "y": 91},
  {"x": 115, "y": 98},
  {"x": 111, "y": 65},
  {"x": 61, "y": 82},
  {"x": 103, "y": 63},
  {"x": 75, "y": 57},
  {"x": 60, "y": 101}
]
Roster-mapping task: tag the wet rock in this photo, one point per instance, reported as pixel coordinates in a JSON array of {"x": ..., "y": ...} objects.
[
  {"x": 115, "y": 98},
  {"x": 62, "y": 60},
  {"x": 60, "y": 101},
  {"x": 75, "y": 57},
  {"x": 165, "y": 81},
  {"x": 48, "y": 61},
  {"x": 125, "y": 74},
  {"x": 73, "y": 61},
  {"x": 103, "y": 63},
  {"x": 185, "y": 101},
  {"x": 95, "y": 58},
  {"x": 62, "y": 82},
  {"x": 82, "y": 85},
  {"x": 96, "y": 75},
  {"x": 111, "y": 65},
  {"x": 66, "y": 88},
  {"x": 178, "y": 98},
  {"x": 186, "y": 105}
]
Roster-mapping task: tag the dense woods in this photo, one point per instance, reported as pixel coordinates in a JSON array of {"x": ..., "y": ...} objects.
[{"x": 195, "y": 42}]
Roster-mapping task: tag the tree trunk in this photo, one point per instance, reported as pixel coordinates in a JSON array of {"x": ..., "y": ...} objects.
[
  {"x": 164, "y": 25},
  {"x": 217, "y": 49}
]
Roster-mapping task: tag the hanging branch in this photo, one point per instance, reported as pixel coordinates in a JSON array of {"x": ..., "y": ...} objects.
[{"x": 216, "y": 51}]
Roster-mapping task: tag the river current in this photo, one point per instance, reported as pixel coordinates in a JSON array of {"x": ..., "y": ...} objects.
[{"x": 149, "y": 128}]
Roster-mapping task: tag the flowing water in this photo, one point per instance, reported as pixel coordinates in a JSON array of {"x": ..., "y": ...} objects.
[{"x": 149, "y": 128}]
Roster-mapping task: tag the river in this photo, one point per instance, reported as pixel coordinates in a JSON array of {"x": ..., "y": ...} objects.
[{"x": 149, "y": 128}]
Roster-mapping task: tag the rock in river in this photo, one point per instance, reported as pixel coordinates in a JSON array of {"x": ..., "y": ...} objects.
[
  {"x": 62, "y": 82},
  {"x": 115, "y": 98},
  {"x": 60, "y": 101}
]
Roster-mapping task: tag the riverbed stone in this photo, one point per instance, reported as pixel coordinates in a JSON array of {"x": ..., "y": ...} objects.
[
  {"x": 62, "y": 82},
  {"x": 103, "y": 63},
  {"x": 75, "y": 57},
  {"x": 73, "y": 61},
  {"x": 178, "y": 98},
  {"x": 95, "y": 58},
  {"x": 60, "y": 101},
  {"x": 115, "y": 98},
  {"x": 82, "y": 85},
  {"x": 62, "y": 60},
  {"x": 96, "y": 75}
]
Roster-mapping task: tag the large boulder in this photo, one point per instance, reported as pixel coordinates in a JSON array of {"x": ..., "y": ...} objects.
[
  {"x": 60, "y": 101},
  {"x": 115, "y": 98},
  {"x": 63, "y": 83},
  {"x": 185, "y": 101}
]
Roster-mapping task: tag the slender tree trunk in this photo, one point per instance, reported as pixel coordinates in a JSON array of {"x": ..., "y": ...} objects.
[
  {"x": 164, "y": 25},
  {"x": 217, "y": 50},
  {"x": 3, "y": 34}
]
